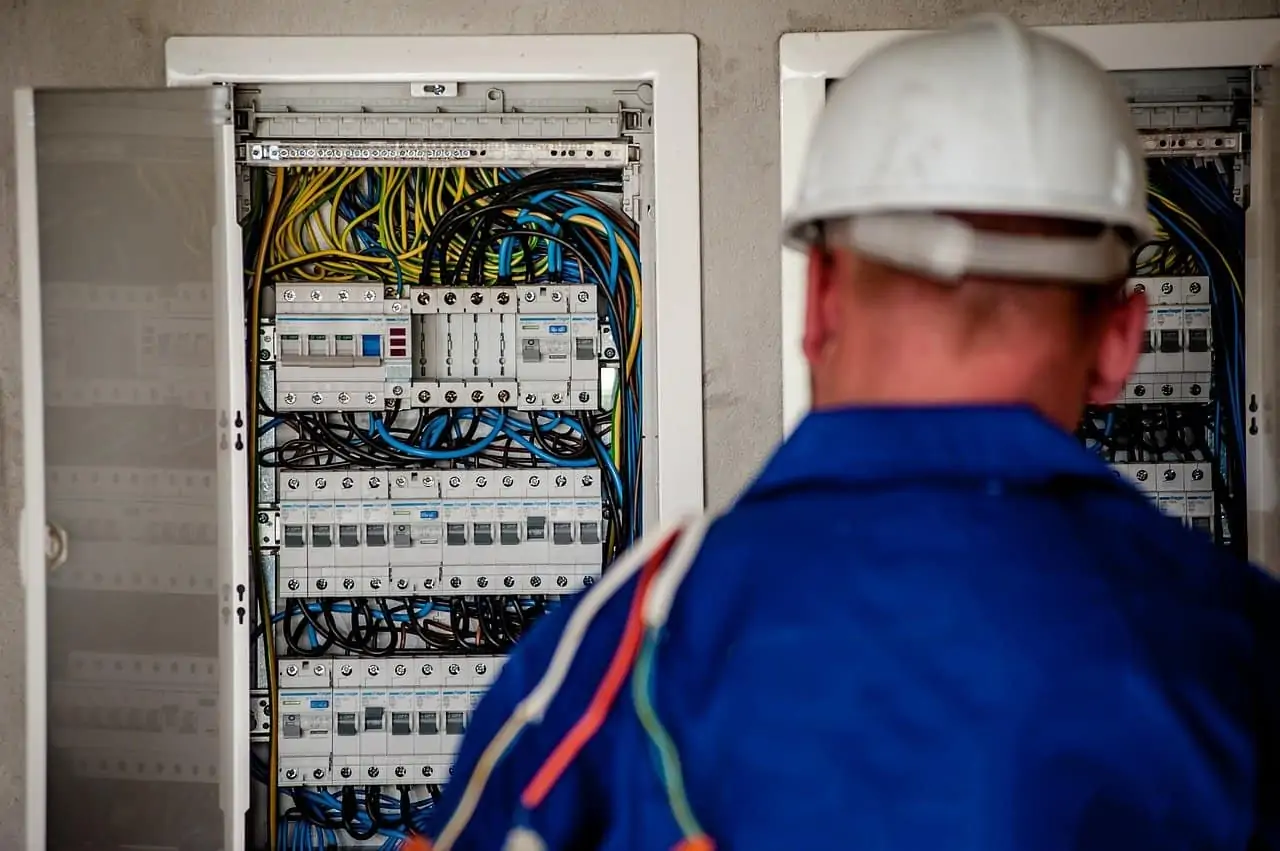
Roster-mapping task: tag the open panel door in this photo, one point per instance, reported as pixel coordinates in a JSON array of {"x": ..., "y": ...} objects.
[
  {"x": 1262, "y": 315},
  {"x": 124, "y": 212}
]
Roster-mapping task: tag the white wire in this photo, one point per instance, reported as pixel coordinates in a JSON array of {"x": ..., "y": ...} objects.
[{"x": 533, "y": 708}]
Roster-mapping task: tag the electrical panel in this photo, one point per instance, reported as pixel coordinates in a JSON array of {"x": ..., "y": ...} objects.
[
  {"x": 449, "y": 433},
  {"x": 1178, "y": 432}
]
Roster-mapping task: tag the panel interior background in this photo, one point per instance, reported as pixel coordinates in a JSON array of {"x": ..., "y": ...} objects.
[{"x": 120, "y": 43}]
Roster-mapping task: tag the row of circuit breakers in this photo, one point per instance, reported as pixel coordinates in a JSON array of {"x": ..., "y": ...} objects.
[
  {"x": 1175, "y": 367},
  {"x": 1177, "y": 355},
  {"x": 405, "y": 533},
  {"x": 356, "y": 347},
  {"x": 346, "y": 721}
]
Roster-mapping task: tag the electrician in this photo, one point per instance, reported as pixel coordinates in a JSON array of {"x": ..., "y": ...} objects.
[{"x": 934, "y": 620}]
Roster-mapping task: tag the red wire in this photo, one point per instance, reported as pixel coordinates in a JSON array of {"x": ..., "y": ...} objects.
[{"x": 606, "y": 693}]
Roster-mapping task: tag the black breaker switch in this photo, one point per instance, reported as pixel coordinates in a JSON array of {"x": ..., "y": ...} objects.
[
  {"x": 1170, "y": 342},
  {"x": 1198, "y": 340}
]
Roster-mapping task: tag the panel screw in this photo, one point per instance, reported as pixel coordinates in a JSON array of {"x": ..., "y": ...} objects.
[
  {"x": 1139, "y": 288},
  {"x": 347, "y": 670},
  {"x": 317, "y": 398},
  {"x": 427, "y": 771},
  {"x": 508, "y": 481},
  {"x": 397, "y": 307},
  {"x": 1194, "y": 288},
  {"x": 556, "y": 295},
  {"x": 264, "y": 354},
  {"x": 504, "y": 396},
  {"x": 402, "y": 584},
  {"x": 294, "y": 585},
  {"x": 1170, "y": 475},
  {"x": 289, "y": 295},
  {"x": 482, "y": 582},
  {"x": 424, "y": 397},
  {"x": 588, "y": 581},
  {"x": 428, "y": 583},
  {"x": 370, "y": 398},
  {"x": 454, "y": 669},
  {"x": 401, "y": 771},
  {"x": 401, "y": 670},
  {"x": 477, "y": 396},
  {"x": 562, "y": 581},
  {"x": 322, "y": 584},
  {"x": 374, "y": 670},
  {"x": 530, "y": 399},
  {"x": 535, "y": 582},
  {"x": 289, "y": 398},
  {"x": 348, "y": 584},
  {"x": 1141, "y": 475},
  {"x": 451, "y": 397},
  {"x": 504, "y": 298},
  {"x": 582, "y": 296},
  {"x": 318, "y": 774},
  {"x": 423, "y": 298},
  {"x": 292, "y": 670},
  {"x": 1166, "y": 389},
  {"x": 375, "y": 482},
  {"x": 1197, "y": 475},
  {"x": 318, "y": 670},
  {"x": 375, "y": 583},
  {"x": 373, "y": 771},
  {"x": 481, "y": 668},
  {"x": 610, "y": 354},
  {"x": 530, "y": 295},
  {"x": 557, "y": 398},
  {"x": 1140, "y": 390},
  {"x": 400, "y": 481},
  {"x": 397, "y": 390},
  {"x": 348, "y": 483},
  {"x": 534, "y": 481},
  {"x": 450, "y": 298},
  {"x": 315, "y": 295},
  {"x": 509, "y": 581},
  {"x": 455, "y": 582},
  {"x": 584, "y": 397},
  {"x": 291, "y": 774},
  {"x": 370, "y": 295},
  {"x": 294, "y": 484},
  {"x": 344, "y": 397},
  {"x": 477, "y": 298},
  {"x": 1195, "y": 389},
  {"x": 427, "y": 670},
  {"x": 562, "y": 481},
  {"x": 482, "y": 481},
  {"x": 1166, "y": 288},
  {"x": 345, "y": 772},
  {"x": 587, "y": 481},
  {"x": 343, "y": 295},
  {"x": 321, "y": 484}
]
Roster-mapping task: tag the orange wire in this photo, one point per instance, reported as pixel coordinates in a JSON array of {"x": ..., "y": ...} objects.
[{"x": 606, "y": 693}]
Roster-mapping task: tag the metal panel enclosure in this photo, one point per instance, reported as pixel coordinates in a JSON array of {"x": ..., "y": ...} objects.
[{"x": 127, "y": 192}]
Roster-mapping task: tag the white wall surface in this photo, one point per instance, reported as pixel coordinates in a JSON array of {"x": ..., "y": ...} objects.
[{"x": 120, "y": 43}]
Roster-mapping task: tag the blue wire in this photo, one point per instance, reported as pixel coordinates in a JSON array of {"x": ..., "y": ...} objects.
[{"x": 436, "y": 454}]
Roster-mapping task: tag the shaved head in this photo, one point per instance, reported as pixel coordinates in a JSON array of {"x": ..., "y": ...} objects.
[{"x": 875, "y": 334}]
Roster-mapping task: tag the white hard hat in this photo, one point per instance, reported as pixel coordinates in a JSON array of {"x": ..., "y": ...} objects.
[{"x": 985, "y": 117}]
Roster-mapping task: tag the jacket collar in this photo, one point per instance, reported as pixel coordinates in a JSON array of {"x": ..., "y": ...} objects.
[{"x": 865, "y": 445}]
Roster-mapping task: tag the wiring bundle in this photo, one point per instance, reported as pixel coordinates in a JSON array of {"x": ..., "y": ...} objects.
[{"x": 402, "y": 228}]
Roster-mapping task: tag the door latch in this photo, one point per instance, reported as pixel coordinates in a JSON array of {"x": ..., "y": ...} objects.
[{"x": 55, "y": 546}]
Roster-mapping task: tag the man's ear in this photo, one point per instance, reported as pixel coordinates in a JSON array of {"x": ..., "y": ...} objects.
[
  {"x": 1120, "y": 342},
  {"x": 820, "y": 308}
]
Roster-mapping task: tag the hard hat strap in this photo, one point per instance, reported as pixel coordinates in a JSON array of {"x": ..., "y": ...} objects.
[{"x": 947, "y": 248}]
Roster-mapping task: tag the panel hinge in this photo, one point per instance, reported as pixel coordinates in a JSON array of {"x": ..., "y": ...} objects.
[
  {"x": 631, "y": 206},
  {"x": 268, "y": 344}
]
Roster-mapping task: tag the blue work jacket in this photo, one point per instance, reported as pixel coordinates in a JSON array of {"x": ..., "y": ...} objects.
[{"x": 932, "y": 628}]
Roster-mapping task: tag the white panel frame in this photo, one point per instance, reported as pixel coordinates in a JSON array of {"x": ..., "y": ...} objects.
[
  {"x": 810, "y": 60},
  {"x": 31, "y": 523},
  {"x": 669, "y": 62}
]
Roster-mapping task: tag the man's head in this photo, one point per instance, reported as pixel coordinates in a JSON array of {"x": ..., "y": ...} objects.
[
  {"x": 970, "y": 203},
  {"x": 878, "y": 334}
]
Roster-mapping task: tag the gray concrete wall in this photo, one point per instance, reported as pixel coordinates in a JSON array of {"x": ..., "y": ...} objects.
[{"x": 120, "y": 43}]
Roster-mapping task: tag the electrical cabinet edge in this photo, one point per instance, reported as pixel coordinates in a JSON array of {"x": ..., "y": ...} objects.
[
  {"x": 513, "y": 404},
  {"x": 1192, "y": 87}
]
